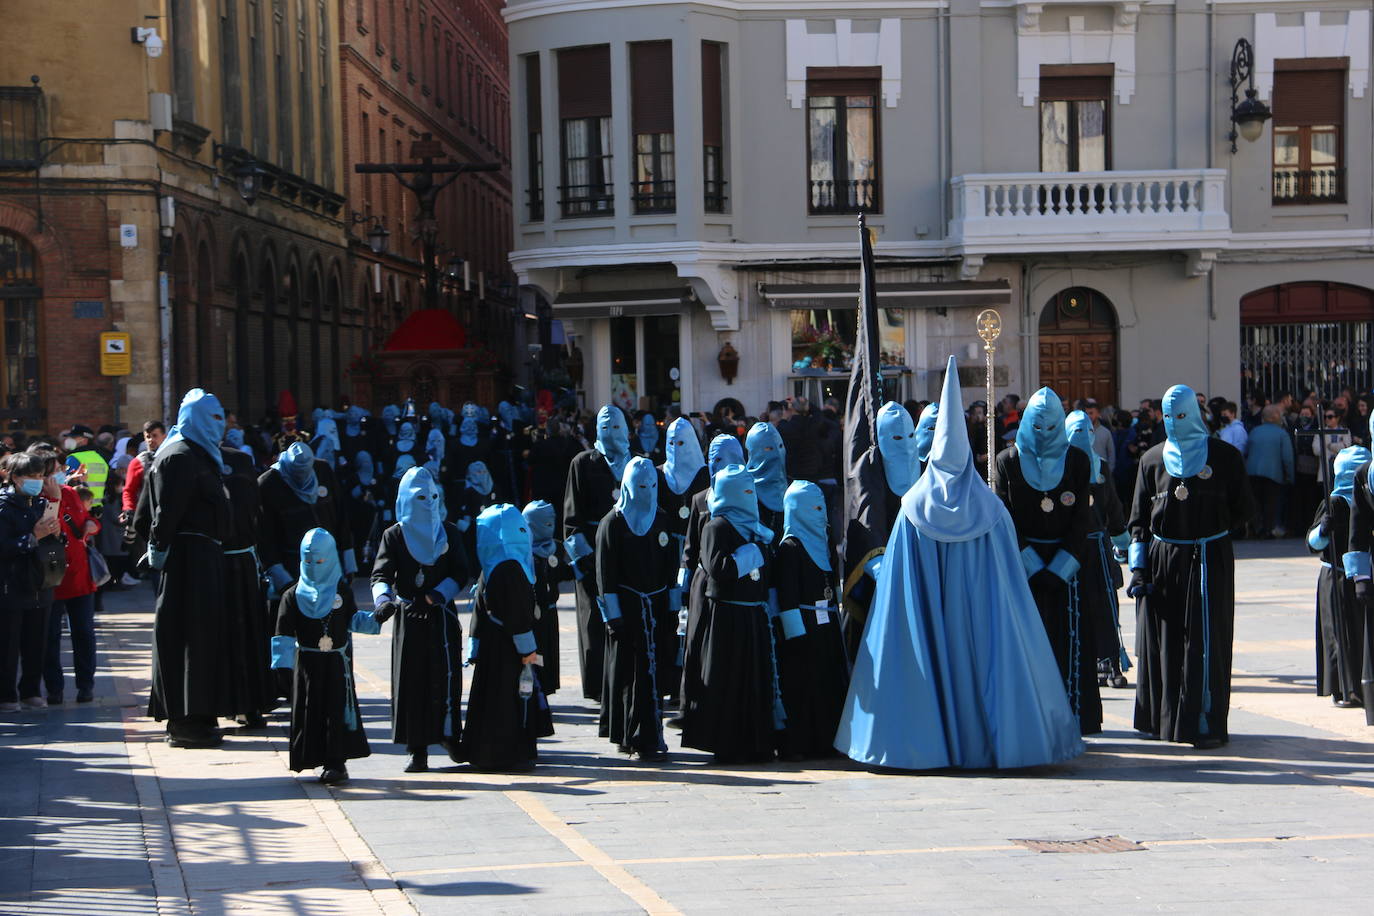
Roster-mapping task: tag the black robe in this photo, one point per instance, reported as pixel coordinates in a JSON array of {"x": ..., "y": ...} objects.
[
  {"x": 190, "y": 519},
  {"x": 734, "y": 715},
  {"x": 694, "y": 598},
  {"x": 872, "y": 512},
  {"x": 548, "y": 573},
  {"x": 249, "y": 644},
  {"x": 467, "y": 503},
  {"x": 1184, "y": 632},
  {"x": 1066, "y": 526},
  {"x": 642, "y": 572},
  {"x": 426, "y": 644},
  {"x": 1361, "y": 539},
  {"x": 286, "y": 518},
  {"x": 813, "y": 670},
  {"x": 592, "y": 491},
  {"x": 1340, "y": 619},
  {"x": 677, "y": 512},
  {"x": 502, "y": 727},
  {"x": 323, "y": 685},
  {"x": 1100, "y": 578}
]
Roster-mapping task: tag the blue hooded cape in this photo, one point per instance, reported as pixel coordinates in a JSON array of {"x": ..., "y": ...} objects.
[
  {"x": 353, "y": 421},
  {"x": 1349, "y": 460},
  {"x": 296, "y": 466},
  {"x": 321, "y": 572},
  {"x": 479, "y": 478},
  {"x": 925, "y": 431},
  {"x": 1041, "y": 442},
  {"x": 724, "y": 450},
  {"x": 684, "y": 459},
  {"x": 405, "y": 439},
  {"x": 804, "y": 518},
  {"x": 503, "y": 535},
  {"x": 234, "y": 438},
  {"x": 326, "y": 441},
  {"x": 541, "y": 519},
  {"x": 897, "y": 444},
  {"x": 768, "y": 464},
  {"x": 403, "y": 463},
  {"x": 954, "y": 669},
  {"x": 390, "y": 414},
  {"x": 612, "y": 438},
  {"x": 421, "y": 516},
  {"x": 366, "y": 470},
  {"x": 1185, "y": 451},
  {"x": 200, "y": 420},
  {"x": 732, "y": 498},
  {"x": 434, "y": 450},
  {"x": 647, "y": 433},
  {"x": 508, "y": 414},
  {"x": 1079, "y": 427},
  {"x": 467, "y": 432},
  {"x": 638, "y": 495}
]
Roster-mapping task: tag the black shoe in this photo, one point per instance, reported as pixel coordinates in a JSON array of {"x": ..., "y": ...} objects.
[
  {"x": 196, "y": 739},
  {"x": 419, "y": 762},
  {"x": 333, "y": 776},
  {"x": 653, "y": 756},
  {"x": 55, "y": 699},
  {"x": 1344, "y": 702},
  {"x": 1119, "y": 681},
  {"x": 1208, "y": 744},
  {"x": 253, "y": 720},
  {"x": 85, "y": 696}
]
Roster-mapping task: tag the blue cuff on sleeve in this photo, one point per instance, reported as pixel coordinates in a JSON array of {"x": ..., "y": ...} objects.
[
  {"x": 1030, "y": 561},
  {"x": 1316, "y": 540},
  {"x": 448, "y": 589},
  {"x": 284, "y": 652},
  {"x": 873, "y": 567},
  {"x": 1064, "y": 565},
  {"x": 747, "y": 559},
  {"x": 674, "y": 599},
  {"x": 381, "y": 592},
  {"x": 610, "y": 607},
  {"x": 792, "y": 623},
  {"x": 386, "y": 515},
  {"x": 1356, "y": 564},
  {"x": 464, "y": 524},
  {"x": 350, "y": 562},
  {"x": 473, "y": 643},
  {"x": 1121, "y": 541},
  {"x": 1139, "y": 555},
  {"x": 363, "y": 622},
  {"x": 684, "y": 579},
  {"x": 524, "y": 642},
  {"x": 577, "y": 547},
  {"x": 279, "y": 577}
]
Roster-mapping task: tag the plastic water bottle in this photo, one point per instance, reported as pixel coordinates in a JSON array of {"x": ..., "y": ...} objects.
[{"x": 527, "y": 682}]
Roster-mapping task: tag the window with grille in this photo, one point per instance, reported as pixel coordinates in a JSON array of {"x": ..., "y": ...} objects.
[
  {"x": 842, "y": 129},
  {"x": 651, "y": 118},
  {"x": 20, "y": 107},
  {"x": 1309, "y": 124},
  {"x": 21, "y": 378},
  {"x": 584, "y": 110},
  {"x": 713, "y": 125}
]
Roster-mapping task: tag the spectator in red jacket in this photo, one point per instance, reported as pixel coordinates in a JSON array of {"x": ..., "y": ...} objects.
[
  {"x": 74, "y": 599},
  {"x": 153, "y": 434}
]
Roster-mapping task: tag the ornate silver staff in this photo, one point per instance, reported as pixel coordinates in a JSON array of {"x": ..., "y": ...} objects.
[{"x": 989, "y": 329}]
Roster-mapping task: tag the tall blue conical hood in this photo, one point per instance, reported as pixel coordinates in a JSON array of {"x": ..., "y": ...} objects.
[
  {"x": 467, "y": 432},
  {"x": 478, "y": 478},
  {"x": 403, "y": 463},
  {"x": 638, "y": 495},
  {"x": 201, "y": 420},
  {"x": 503, "y": 535},
  {"x": 805, "y": 518},
  {"x": 542, "y": 521},
  {"x": 365, "y": 468},
  {"x": 405, "y": 439},
  {"x": 1079, "y": 427},
  {"x": 421, "y": 515},
  {"x": 647, "y": 434},
  {"x": 390, "y": 413},
  {"x": 733, "y": 498},
  {"x": 684, "y": 459},
  {"x": 1041, "y": 441},
  {"x": 320, "y": 574},
  {"x": 326, "y": 440},
  {"x": 1348, "y": 463},
  {"x": 1185, "y": 452},
  {"x": 897, "y": 444},
  {"x": 925, "y": 432},
  {"x": 768, "y": 464},
  {"x": 950, "y": 502}
]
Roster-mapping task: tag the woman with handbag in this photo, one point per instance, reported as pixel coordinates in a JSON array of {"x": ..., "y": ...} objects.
[
  {"x": 27, "y": 539},
  {"x": 74, "y": 599}
]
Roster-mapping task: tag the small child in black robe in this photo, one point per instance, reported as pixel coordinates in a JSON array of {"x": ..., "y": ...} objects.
[
  {"x": 549, "y": 571},
  {"x": 315, "y": 618}
]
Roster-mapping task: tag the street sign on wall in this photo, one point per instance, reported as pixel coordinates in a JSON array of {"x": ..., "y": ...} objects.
[{"x": 116, "y": 353}]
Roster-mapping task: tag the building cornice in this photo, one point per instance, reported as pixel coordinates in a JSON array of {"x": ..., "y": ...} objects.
[{"x": 783, "y": 8}]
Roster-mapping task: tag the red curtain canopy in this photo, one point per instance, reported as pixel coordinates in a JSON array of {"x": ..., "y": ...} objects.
[{"x": 428, "y": 329}]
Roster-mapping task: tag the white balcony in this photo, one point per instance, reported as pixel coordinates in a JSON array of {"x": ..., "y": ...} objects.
[{"x": 1169, "y": 209}]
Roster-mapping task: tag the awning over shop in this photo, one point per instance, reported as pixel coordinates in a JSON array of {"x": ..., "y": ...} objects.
[
  {"x": 967, "y": 294},
  {"x": 622, "y": 303}
]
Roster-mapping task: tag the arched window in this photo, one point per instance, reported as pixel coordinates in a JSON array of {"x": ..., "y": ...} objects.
[
  {"x": 183, "y": 321},
  {"x": 21, "y": 385},
  {"x": 1078, "y": 345},
  {"x": 1306, "y": 336}
]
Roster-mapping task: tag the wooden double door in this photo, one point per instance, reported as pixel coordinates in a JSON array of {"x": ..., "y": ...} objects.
[{"x": 1080, "y": 364}]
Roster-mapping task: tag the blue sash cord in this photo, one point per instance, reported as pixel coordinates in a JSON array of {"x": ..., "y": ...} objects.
[
  {"x": 646, "y": 615},
  {"x": 779, "y": 713},
  {"x": 350, "y": 716},
  {"x": 1123, "y": 659},
  {"x": 1199, "y": 546}
]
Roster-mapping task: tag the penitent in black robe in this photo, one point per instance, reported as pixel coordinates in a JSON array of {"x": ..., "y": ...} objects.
[
  {"x": 1068, "y": 622},
  {"x": 191, "y": 625},
  {"x": 249, "y": 642},
  {"x": 1100, "y": 578},
  {"x": 591, "y": 492},
  {"x": 1340, "y": 619},
  {"x": 1361, "y": 539},
  {"x": 694, "y": 599},
  {"x": 677, "y": 512},
  {"x": 735, "y": 716},
  {"x": 641, "y": 571},
  {"x": 502, "y": 726},
  {"x": 813, "y": 670},
  {"x": 326, "y": 723},
  {"x": 426, "y": 644},
  {"x": 286, "y": 518},
  {"x": 548, "y": 573},
  {"x": 1186, "y": 624}
]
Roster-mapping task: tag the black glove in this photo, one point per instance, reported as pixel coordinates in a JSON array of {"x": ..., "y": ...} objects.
[
  {"x": 417, "y": 611},
  {"x": 1364, "y": 591},
  {"x": 617, "y": 627},
  {"x": 384, "y": 611},
  {"x": 1140, "y": 584}
]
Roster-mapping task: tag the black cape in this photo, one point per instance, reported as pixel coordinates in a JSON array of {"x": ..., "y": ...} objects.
[
  {"x": 1361, "y": 539},
  {"x": 1340, "y": 619},
  {"x": 591, "y": 492},
  {"x": 813, "y": 669},
  {"x": 548, "y": 573},
  {"x": 249, "y": 646}
]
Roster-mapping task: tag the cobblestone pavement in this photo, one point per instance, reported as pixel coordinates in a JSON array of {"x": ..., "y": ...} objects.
[{"x": 97, "y": 816}]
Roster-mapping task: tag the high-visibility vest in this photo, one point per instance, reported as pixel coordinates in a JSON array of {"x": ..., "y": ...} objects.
[{"x": 97, "y": 470}]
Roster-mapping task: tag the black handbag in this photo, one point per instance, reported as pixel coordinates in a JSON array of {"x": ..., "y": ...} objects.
[{"x": 50, "y": 561}]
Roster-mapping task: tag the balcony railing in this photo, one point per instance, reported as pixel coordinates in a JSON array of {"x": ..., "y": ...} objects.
[
  {"x": 536, "y": 204},
  {"x": 587, "y": 200},
  {"x": 1003, "y": 209},
  {"x": 655, "y": 196},
  {"x": 850, "y": 196},
  {"x": 714, "y": 196},
  {"x": 1317, "y": 186}
]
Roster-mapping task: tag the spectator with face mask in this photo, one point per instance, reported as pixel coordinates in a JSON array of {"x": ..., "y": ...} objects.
[
  {"x": 79, "y": 443},
  {"x": 74, "y": 598},
  {"x": 23, "y": 612}
]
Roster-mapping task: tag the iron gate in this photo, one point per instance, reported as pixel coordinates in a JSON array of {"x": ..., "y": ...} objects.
[{"x": 1324, "y": 357}]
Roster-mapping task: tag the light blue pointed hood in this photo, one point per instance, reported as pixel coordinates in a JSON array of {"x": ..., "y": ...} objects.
[
  {"x": 365, "y": 469},
  {"x": 804, "y": 518},
  {"x": 434, "y": 450},
  {"x": 390, "y": 414},
  {"x": 326, "y": 440},
  {"x": 321, "y": 571},
  {"x": 724, "y": 450},
  {"x": 478, "y": 478},
  {"x": 542, "y": 521},
  {"x": 951, "y": 502},
  {"x": 925, "y": 431},
  {"x": 403, "y": 463},
  {"x": 1185, "y": 451},
  {"x": 638, "y": 495},
  {"x": 1079, "y": 427},
  {"x": 613, "y": 439},
  {"x": 353, "y": 421},
  {"x": 684, "y": 459},
  {"x": 647, "y": 433},
  {"x": 234, "y": 439},
  {"x": 296, "y": 466},
  {"x": 897, "y": 445},
  {"x": 503, "y": 535},
  {"x": 733, "y": 499},
  {"x": 200, "y": 421},
  {"x": 467, "y": 432},
  {"x": 421, "y": 515},
  {"x": 405, "y": 438},
  {"x": 1348, "y": 463},
  {"x": 768, "y": 464},
  {"x": 1041, "y": 442}
]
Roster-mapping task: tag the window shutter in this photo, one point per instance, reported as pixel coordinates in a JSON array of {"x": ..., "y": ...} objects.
[
  {"x": 838, "y": 81},
  {"x": 651, "y": 87},
  {"x": 534, "y": 105},
  {"x": 1309, "y": 97},
  {"x": 712, "y": 104},
  {"x": 1075, "y": 88},
  {"x": 584, "y": 82}
]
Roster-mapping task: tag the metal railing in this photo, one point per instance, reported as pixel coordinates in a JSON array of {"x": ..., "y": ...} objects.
[
  {"x": 19, "y": 131},
  {"x": 1311, "y": 186},
  {"x": 1325, "y": 357},
  {"x": 850, "y": 196},
  {"x": 536, "y": 204},
  {"x": 587, "y": 200},
  {"x": 655, "y": 196},
  {"x": 714, "y": 196}
]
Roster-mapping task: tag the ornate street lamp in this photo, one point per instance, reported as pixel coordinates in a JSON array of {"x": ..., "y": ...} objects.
[{"x": 1247, "y": 117}]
